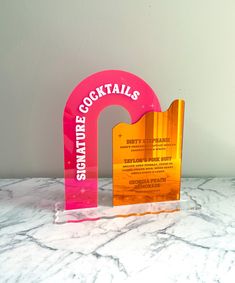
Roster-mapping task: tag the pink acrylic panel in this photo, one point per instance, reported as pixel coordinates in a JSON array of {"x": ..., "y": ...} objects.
[{"x": 80, "y": 120}]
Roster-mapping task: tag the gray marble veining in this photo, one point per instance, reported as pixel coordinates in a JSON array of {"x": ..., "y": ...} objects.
[{"x": 185, "y": 246}]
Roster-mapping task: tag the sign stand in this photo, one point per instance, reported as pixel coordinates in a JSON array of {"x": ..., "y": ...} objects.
[{"x": 146, "y": 154}]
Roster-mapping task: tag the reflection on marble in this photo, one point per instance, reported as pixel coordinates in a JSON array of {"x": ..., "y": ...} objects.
[{"x": 185, "y": 246}]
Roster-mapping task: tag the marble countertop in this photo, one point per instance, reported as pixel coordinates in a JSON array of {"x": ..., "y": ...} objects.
[{"x": 184, "y": 246}]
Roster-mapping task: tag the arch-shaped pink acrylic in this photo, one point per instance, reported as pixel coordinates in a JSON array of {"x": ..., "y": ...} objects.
[{"x": 84, "y": 193}]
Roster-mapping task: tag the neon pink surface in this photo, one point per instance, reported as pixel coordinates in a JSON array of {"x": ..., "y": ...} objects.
[{"x": 91, "y": 96}]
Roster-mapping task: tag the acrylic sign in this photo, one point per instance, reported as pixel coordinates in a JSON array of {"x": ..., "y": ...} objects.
[
  {"x": 80, "y": 119},
  {"x": 147, "y": 157}
]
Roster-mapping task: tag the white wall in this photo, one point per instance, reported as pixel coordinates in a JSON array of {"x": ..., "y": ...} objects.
[{"x": 183, "y": 49}]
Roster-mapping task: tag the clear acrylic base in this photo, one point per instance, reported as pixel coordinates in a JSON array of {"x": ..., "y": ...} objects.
[{"x": 106, "y": 211}]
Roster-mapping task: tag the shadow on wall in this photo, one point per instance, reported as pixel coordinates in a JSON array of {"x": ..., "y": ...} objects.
[{"x": 201, "y": 159}]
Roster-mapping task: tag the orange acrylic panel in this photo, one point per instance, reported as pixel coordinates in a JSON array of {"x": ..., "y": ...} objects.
[{"x": 147, "y": 157}]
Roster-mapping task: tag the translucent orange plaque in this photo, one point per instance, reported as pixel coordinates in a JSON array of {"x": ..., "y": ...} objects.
[{"x": 147, "y": 157}]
